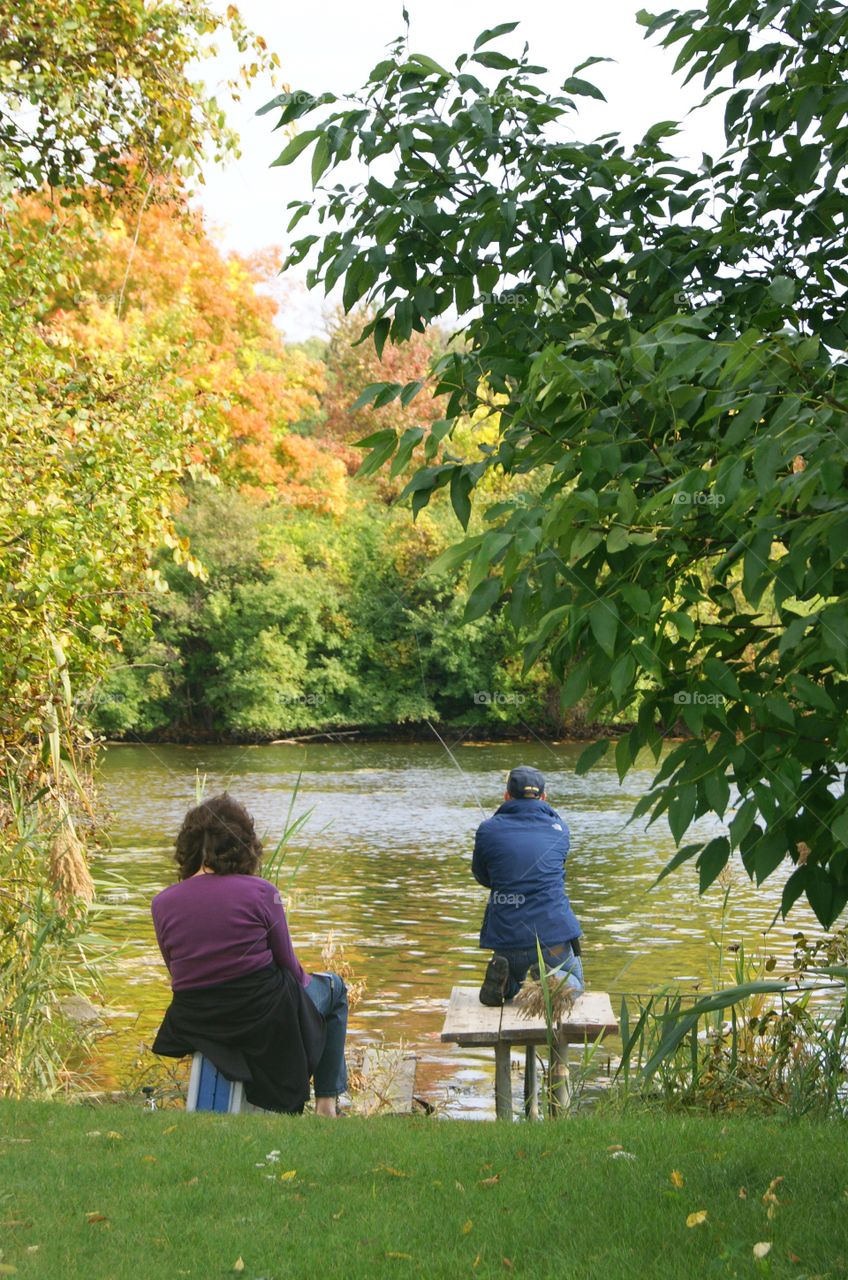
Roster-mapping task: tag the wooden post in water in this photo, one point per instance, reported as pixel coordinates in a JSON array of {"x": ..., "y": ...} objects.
[{"x": 503, "y": 1082}]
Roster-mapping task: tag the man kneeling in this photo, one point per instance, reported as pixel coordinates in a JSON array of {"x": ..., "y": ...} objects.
[{"x": 519, "y": 855}]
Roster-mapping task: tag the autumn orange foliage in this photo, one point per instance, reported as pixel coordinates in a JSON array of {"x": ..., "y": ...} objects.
[
  {"x": 155, "y": 278},
  {"x": 350, "y": 368}
]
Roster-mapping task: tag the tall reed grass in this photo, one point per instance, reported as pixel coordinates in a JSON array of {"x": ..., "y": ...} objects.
[{"x": 47, "y": 952}]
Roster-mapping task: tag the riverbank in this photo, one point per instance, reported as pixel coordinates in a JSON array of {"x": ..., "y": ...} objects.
[
  {"x": 113, "y": 1193},
  {"x": 416, "y": 732}
]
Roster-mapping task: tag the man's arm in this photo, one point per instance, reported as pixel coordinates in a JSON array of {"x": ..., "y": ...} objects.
[{"x": 478, "y": 863}]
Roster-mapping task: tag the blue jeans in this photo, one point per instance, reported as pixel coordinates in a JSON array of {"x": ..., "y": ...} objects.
[
  {"x": 329, "y": 995},
  {"x": 522, "y": 958}
]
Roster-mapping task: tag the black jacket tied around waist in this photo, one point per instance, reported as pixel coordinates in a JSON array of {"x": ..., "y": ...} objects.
[{"x": 261, "y": 1029}]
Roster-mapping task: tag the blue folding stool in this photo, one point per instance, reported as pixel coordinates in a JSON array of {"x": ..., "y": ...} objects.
[{"x": 208, "y": 1090}]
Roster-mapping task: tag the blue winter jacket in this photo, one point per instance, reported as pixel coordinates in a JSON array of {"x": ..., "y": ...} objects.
[{"x": 519, "y": 854}]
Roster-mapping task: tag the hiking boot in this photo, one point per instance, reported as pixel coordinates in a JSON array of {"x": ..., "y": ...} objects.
[{"x": 493, "y": 990}]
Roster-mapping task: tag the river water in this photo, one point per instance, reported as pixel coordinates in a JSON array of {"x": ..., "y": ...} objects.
[{"x": 384, "y": 863}]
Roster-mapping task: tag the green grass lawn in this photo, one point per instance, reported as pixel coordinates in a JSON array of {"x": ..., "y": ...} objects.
[{"x": 114, "y": 1192}]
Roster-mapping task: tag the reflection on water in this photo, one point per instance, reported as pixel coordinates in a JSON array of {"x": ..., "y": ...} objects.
[{"x": 385, "y": 864}]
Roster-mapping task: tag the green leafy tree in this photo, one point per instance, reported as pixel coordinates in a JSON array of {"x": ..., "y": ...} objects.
[
  {"x": 90, "y": 89},
  {"x": 303, "y": 622},
  {"x": 666, "y": 346}
]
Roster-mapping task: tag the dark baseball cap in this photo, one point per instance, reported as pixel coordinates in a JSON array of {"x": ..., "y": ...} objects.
[{"x": 525, "y": 783}]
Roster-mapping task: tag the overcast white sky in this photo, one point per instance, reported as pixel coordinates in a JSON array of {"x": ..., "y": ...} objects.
[{"x": 333, "y": 45}]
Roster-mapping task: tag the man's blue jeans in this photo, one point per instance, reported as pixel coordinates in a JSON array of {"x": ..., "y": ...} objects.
[
  {"x": 329, "y": 995},
  {"x": 560, "y": 957}
]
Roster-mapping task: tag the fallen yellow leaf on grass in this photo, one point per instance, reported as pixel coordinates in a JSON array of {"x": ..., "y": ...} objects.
[
  {"x": 491, "y": 1182},
  {"x": 769, "y": 1197},
  {"x": 761, "y": 1249},
  {"x": 170, "y": 1129},
  {"x": 96, "y": 1217},
  {"x": 238, "y": 1265},
  {"x": 676, "y": 1178},
  {"x": 467, "y": 1227},
  {"x": 288, "y": 1175},
  {"x": 743, "y": 1193},
  {"x": 387, "y": 1168},
  {"x": 695, "y": 1219},
  {"x": 112, "y": 1134},
  {"x": 475, "y": 1264},
  {"x": 149, "y": 1159}
]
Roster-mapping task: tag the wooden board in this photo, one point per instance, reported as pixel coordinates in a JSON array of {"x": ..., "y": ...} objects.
[
  {"x": 467, "y": 1021},
  {"x": 590, "y": 1017}
]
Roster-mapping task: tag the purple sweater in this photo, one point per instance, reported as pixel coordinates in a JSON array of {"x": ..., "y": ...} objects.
[{"x": 212, "y": 929}]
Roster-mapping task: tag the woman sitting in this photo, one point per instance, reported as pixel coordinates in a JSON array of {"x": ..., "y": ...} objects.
[{"x": 240, "y": 995}]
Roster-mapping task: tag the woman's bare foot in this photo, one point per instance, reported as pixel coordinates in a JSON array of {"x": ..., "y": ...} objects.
[{"x": 326, "y": 1107}]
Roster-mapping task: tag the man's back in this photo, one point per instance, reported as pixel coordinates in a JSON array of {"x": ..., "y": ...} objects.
[{"x": 519, "y": 854}]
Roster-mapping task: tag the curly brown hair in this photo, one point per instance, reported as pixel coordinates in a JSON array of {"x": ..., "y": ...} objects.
[{"x": 218, "y": 834}]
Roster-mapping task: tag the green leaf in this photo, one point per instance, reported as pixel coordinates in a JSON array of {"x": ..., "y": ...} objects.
[
  {"x": 371, "y": 392},
  {"x": 712, "y": 861},
  {"x": 482, "y": 599},
  {"x": 575, "y": 685},
  {"x": 584, "y": 543},
  {"x": 294, "y": 148},
  {"x": 320, "y": 159},
  {"x": 497, "y": 61},
  {"x": 603, "y": 619},
  {"x": 460, "y": 488},
  {"x": 429, "y": 64},
  {"x": 782, "y": 289},
  {"x": 618, "y": 539},
  {"x": 410, "y": 438},
  {"x": 825, "y": 895},
  {"x": 681, "y": 810},
  {"x": 582, "y": 88},
  {"x": 492, "y": 33},
  {"x": 683, "y": 855},
  {"x": 453, "y": 557},
  {"x": 591, "y": 755},
  {"x": 385, "y": 443}
]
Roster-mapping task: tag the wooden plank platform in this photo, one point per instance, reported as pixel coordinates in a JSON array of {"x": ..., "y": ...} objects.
[
  {"x": 589, "y": 1018},
  {"x": 467, "y": 1021}
]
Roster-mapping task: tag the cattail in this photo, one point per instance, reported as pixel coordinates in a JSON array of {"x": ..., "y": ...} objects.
[
  {"x": 69, "y": 872},
  {"x": 530, "y": 1000}
]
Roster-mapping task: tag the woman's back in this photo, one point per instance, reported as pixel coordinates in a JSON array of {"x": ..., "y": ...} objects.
[{"x": 215, "y": 928}]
